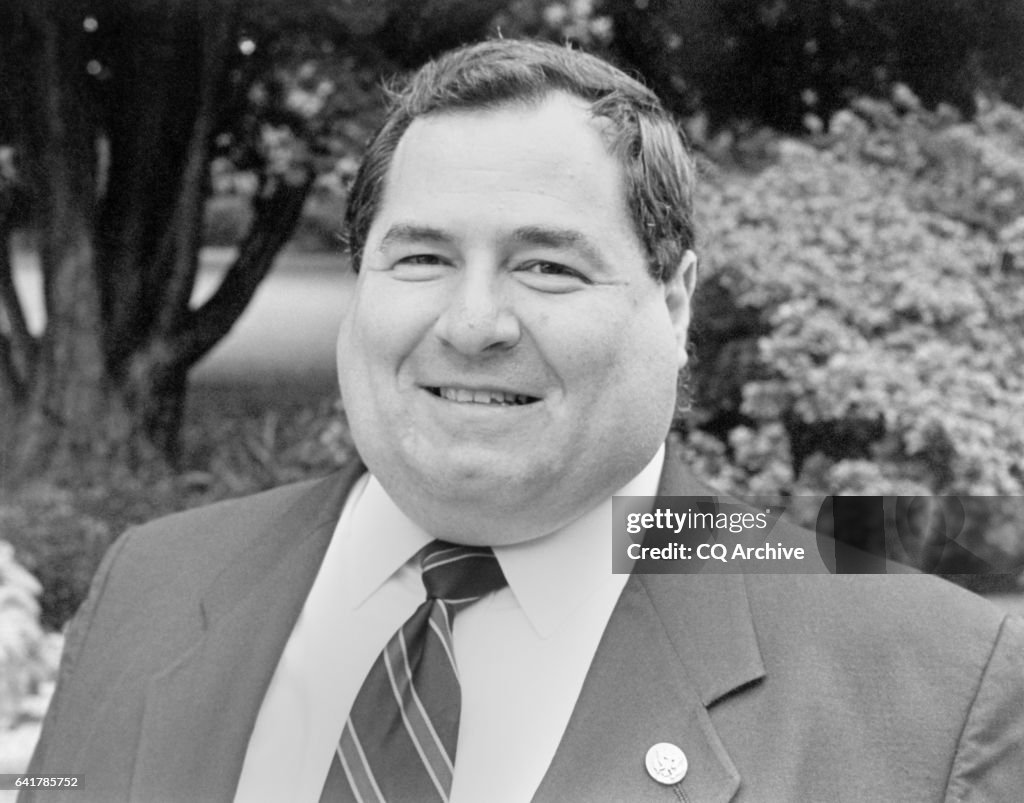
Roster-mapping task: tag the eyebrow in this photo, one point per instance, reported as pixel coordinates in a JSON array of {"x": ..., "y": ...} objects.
[
  {"x": 412, "y": 232},
  {"x": 543, "y": 235}
]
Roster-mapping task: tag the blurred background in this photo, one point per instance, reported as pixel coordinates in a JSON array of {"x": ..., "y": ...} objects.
[{"x": 173, "y": 177}]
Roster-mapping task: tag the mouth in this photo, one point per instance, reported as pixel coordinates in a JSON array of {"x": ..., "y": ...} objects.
[{"x": 498, "y": 398}]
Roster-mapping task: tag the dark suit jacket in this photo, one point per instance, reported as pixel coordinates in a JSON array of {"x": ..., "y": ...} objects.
[{"x": 777, "y": 687}]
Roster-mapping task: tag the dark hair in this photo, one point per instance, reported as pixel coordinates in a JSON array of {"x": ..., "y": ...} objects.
[{"x": 496, "y": 73}]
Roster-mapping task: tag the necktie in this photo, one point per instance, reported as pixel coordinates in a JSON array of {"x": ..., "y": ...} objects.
[{"x": 399, "y": 742}]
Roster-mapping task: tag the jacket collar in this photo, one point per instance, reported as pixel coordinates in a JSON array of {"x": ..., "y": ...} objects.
[
  {"x": 675, "y": 645},
  {"x": 720, "y": 643},
  {"x": 200, "y": 711}
]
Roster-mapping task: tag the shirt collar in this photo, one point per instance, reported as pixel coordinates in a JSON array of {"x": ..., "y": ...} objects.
[
  {"x": 380, "y": 539},
  {"x": 549, "y": 576}
]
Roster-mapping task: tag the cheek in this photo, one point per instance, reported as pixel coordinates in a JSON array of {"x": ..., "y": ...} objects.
[
  {"x": 630, "y": 363},
  {"x": 626, "y": 340},
  {"x": 377, "y": 334}
]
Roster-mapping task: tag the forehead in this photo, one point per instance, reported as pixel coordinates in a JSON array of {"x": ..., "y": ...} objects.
[{"x": 550, "y": 153}]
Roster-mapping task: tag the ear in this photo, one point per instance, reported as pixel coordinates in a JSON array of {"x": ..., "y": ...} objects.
[{"x": 678, "y": 295}]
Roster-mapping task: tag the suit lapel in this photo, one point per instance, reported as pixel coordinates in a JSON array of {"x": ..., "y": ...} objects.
[
  {"x": 200, "y": 711},
  {"x": 674, "y": 645}
]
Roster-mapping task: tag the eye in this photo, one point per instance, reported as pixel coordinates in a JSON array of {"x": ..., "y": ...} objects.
[
  {"x": 420, "y": 259},
  {"x": 552, "y": 276},
  {"x": 420, "y": 267}
]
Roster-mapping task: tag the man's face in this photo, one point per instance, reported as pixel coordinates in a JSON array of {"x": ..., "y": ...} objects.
[{"x": 507, "y": 361}]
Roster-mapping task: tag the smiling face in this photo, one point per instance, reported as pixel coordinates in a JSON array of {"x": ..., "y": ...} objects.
[{"x": 507, "y": 361}]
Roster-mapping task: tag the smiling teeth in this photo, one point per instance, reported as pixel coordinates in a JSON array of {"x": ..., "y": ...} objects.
[{"x": 482, "y": 396}]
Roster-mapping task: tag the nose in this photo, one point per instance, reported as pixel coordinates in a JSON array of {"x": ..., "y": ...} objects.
[{"x": 478, "y": 319}]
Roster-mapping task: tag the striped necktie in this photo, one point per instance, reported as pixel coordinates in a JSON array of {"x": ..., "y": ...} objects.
[{"x": 399, "y": 742}]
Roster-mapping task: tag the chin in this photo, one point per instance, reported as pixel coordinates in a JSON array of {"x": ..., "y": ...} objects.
[
  {"x": 475, "y": 485},
  {"x": 482, "y": 468},
  {"x": 480, "y": 496}
]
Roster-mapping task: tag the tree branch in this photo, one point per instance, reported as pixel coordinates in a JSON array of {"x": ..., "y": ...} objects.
[
  {"x": 173, "y": 68},
  {"x": 183, "y": 236},
  {"x": 9, "y": 375},
  {"x": 277, "y": 212},
  {"x": 20, "y": 345}
]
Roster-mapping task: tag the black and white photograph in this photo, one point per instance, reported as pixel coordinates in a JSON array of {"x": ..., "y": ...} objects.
[{"x": 495, "y": 401}]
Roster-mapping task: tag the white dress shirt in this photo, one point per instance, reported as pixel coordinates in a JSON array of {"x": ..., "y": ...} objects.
[{"x": 522, "y": 652}]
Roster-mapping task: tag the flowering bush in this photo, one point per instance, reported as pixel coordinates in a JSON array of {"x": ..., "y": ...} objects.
[
  {"x": 28, "y": 659},
  {"x": 860, "y": 326}
]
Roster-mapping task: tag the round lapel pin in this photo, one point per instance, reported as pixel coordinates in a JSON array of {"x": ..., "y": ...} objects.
[{"x": 666, "y": 763}]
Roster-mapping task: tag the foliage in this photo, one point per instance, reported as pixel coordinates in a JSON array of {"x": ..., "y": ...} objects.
[
  {"x": 788, "y": 63},
  {"x": 578, "y": 21},
  {"x": 236, "y": 442},
  {"x": 228, "y": 217},
  {"x": 860, "y": 326},
  {"x": 28, "y": 658}
]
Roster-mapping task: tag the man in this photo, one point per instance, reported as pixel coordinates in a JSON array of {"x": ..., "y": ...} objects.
[{"x": 523, "y": 234}]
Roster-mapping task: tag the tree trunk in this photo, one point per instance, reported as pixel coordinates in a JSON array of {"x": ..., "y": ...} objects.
[
  {"x": 62, "y": 374},
  {"x": 120, "y": 173}
]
